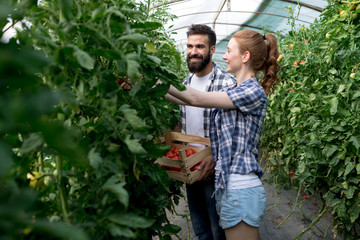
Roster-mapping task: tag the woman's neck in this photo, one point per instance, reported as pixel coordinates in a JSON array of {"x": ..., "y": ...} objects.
[{"x": 243, "y": 76}]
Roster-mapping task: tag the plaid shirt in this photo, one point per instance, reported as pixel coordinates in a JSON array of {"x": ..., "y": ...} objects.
[
  {"x": 219, "y": 79},
  {"x": 235, "y": 133}
]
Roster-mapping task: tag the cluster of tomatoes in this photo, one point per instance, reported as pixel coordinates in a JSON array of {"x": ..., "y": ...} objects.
[{"x": 174, "y": 154}]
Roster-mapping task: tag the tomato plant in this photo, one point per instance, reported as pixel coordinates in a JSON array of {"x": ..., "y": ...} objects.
[
  {"x": 65, "y": 117},
  {"x": 312, "y": 123}
]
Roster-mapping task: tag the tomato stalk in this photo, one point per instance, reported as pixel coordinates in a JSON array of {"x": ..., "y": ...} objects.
[
  {"x": 186, "y": 216},
  {"x": 277, "y": 194},
  {"x": 324, "y": 210},
  {"x": 61, "y": 187},
  {"x": 293, "y": 210},
  {"x": 40, "y": 162},
  {"x": 301, "y": 210}
]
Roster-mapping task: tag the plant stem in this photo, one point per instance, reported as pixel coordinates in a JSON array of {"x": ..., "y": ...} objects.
[
  {"x": 61, "y": 187},
  {"x": 40, "y": 162},
  {"x": 302, "y": 213},
  {"x": 327, "y": 230},
  {"x": 293, "y": 210},
  {"x": 312, "y": 223},
  {"x": 291, "y": 191},
  {"x": 277, "y": 196}
]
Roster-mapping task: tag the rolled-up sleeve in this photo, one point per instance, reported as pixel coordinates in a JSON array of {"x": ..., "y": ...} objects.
[{"x": 248, "y": 98}]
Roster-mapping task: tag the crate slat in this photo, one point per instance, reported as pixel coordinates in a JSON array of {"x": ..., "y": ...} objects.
[
  {"x": 189, "y": 138},
  {"x": 189, "y": 178}
]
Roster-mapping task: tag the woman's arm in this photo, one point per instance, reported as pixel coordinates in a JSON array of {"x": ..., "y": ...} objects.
[{"x": 196, "y": 98}]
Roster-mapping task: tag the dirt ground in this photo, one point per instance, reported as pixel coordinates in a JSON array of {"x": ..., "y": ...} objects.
[{"x": 277, "y": 212}]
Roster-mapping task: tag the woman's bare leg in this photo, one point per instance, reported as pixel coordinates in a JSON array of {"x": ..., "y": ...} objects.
[{"x": 242, "y": 231}]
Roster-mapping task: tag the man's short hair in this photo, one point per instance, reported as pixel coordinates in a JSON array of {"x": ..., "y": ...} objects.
[{"x": 204, "y": 30}]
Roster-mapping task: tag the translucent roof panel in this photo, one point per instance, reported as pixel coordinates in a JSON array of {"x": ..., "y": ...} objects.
[{"x": 229, "y": 16}]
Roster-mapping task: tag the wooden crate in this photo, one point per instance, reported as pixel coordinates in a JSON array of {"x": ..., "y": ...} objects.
[{"x": 179, "y": 140}]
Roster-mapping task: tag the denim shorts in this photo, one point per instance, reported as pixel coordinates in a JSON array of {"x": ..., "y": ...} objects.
[{"x": 236, "y": 205}]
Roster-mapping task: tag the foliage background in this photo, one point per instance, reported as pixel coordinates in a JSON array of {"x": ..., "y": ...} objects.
[
  {"x": 312, "y": 124},
  {"x": 86, "y": 145}
]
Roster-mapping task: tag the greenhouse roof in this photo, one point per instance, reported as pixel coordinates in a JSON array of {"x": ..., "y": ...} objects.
[{"x": 229, "y": 16}]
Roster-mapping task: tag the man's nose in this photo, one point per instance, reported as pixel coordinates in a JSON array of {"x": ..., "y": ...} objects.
[{"x": 194, "y": 51}]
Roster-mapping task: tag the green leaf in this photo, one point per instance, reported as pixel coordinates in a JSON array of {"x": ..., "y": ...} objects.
[
  {"x": 349, "y": 193},
  {"x": 120, "y": 231},
  {"x": 356, "y": 95},
  {"x": 295, "y": 109},
  {"x": 5, "y": 10},
  {"x": 333, "y": 71},
  {"x": 341, "y": 88},
  {"x": 358, "y": 169},
  {"x": 6, "y": 161},
  {"x": 116, "y": 186},
  {"x": 59, "y": 230},
  {"x": 30, "y": 143},
  {"x": 171, "y": 229},
  {"x": 94, "y": 158},
  {"x": 131, "y": 220},
  {"x": 114, "y": 10},
  {"x": 349, "y": 167},
  {"x": 135, "y": 38},
  {"x": 137, "y": 87},
  {"x": 131, "y": 115},
  {"x": 134, "y": 145},
  {"x": 154, "y": 59},
  {"x": 147, "y": 26},
  {"x": 334, "y": 105},
  {"x": 355, "y": 140},
  {"x": 66, "y": 9},
  {"x": 301, "y": 167},
  {"x": 150, "y": 48},
  {"x": 98, "y": 12},
  {"x": 84, "y": 59},
  {"x": 354, "y": 211},
  {"x": 329, "y": 150},
  {"x": 133, "y": 65}
]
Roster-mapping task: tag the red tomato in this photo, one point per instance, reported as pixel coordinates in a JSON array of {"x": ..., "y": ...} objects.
[
  {"x": 190, "y": 152},
  {"x": 169, "y": 154},
  {"x": 175, "y": 169},
  {"x": 195, "y": 167}
]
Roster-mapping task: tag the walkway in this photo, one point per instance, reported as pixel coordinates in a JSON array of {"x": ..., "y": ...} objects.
[{"x": 273, "y": 217}]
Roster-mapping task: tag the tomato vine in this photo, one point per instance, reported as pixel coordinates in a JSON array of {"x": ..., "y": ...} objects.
[
  {"x": 66, "y": 121},
  {"x": 312, "y": 123}
]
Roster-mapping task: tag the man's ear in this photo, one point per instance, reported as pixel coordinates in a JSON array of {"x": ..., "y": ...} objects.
[
  {"x": 212, "y": 49},
  {"x": 246, "y": 56}
]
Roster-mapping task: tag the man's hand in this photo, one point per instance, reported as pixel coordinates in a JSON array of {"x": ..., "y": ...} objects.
[{"x": 207, "y": 167}]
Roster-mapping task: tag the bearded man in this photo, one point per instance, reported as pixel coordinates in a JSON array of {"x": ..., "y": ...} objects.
[{"x": 204, "y": 76}]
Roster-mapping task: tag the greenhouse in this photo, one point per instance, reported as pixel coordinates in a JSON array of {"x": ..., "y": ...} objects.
[
  {"x": 226, "y": 17},
  {"x": 108, "y": 130}
]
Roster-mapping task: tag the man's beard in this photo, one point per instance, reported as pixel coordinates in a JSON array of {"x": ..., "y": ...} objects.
[{"x": 195, "y": 67}]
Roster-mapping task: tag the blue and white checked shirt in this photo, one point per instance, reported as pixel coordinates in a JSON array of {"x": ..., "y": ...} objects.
[
  {"x": 235, "y": 133},
  {"x": 219, "y": 79}
]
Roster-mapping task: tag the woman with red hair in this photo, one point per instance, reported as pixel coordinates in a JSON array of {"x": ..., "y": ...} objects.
[{"x": 237, "y": 116}]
